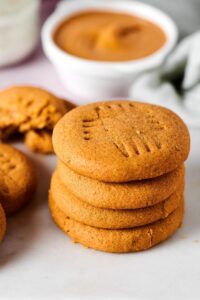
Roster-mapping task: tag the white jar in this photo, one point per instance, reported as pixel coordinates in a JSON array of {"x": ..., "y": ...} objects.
[{"x": 19, "y": 29}]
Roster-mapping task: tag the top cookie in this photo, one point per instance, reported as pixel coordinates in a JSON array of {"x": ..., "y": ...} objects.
[{"x": 119, "y": 141}]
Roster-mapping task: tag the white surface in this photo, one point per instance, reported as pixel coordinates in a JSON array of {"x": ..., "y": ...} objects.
[
  {"x": 37, "y": 261},
  {"x": 104, "y": 79}
]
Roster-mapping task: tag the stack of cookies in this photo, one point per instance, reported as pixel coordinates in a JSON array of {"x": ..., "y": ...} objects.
[{"x": 119, "y": 183}]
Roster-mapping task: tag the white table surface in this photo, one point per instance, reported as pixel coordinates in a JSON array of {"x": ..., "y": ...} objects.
[{"x": 37, "y": 261}]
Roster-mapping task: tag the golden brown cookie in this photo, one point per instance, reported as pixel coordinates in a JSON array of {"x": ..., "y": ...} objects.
[
  {"x": 117, "y": 240},
  {"x": 119, "y": 141},
  {"x": 111, "y": 218},
  {"x": 39, "y": 141},
  {"x": 18, "y": 179},
  {"x": 2, "y": 222},
  {"x": 27, "y": 109},
  {"x": 36, "y": 108},
  {"x": 134, "y": 194}
]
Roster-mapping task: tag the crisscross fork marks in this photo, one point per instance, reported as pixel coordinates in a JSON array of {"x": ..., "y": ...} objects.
[
  {"x": 108, "y": 116},
  {"x": 139, "y": 139},
  {"x": 150, "y": 142}
]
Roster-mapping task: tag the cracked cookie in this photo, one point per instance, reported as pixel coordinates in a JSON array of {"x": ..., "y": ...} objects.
[
  {"x": 39, "y": 141},
  {"x": 121, "y": 141},
  {"x": 117, "y": 240},
  {"x": 26, "y": 108},
  {"x": 18, "y": 179}
]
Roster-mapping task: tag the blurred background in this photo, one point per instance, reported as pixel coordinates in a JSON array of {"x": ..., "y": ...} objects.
[
  {"x": 184, "y": 12},
  {"x": 22, "y": 59}
]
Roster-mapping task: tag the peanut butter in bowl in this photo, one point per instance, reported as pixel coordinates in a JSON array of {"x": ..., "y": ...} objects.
[
  {"x": 109, "y": 36},
  {"x": 99, "y": 48}
]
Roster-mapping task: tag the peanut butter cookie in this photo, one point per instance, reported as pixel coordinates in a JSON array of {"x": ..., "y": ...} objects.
[
  {"x": 39, "y": 141},
  {"x": 111, "y": 218},
  {"x": 117, "y": 240},
  {"x": 134, "y": 194},
  {"x": 120, "y": 141},
  {"x": 18, "y": 179},
  {"x": 26, "y": 108},
  {"x": 2, "y": 223}
]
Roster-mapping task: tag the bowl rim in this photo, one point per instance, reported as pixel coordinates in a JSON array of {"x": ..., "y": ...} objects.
[{"x": 70, "y": 7}]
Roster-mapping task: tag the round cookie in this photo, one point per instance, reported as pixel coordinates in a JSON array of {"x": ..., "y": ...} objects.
[
  {"x": 2, "y": 223},
  {"x": 18, "y": 179},
  {"x": 116, "y": 240},
  {"x": 130, "y": 195},
  {"x": 39, "y": 141},
  {"x": 119, "y": 141},
  {"x": 111, "y": 218}
]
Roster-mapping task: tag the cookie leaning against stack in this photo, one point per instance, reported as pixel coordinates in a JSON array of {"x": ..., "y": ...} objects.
[{"x": 119, "y": 183}]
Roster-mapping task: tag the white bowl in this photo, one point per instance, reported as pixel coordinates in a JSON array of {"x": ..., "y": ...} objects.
[{"x": 90, "y": 79}]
